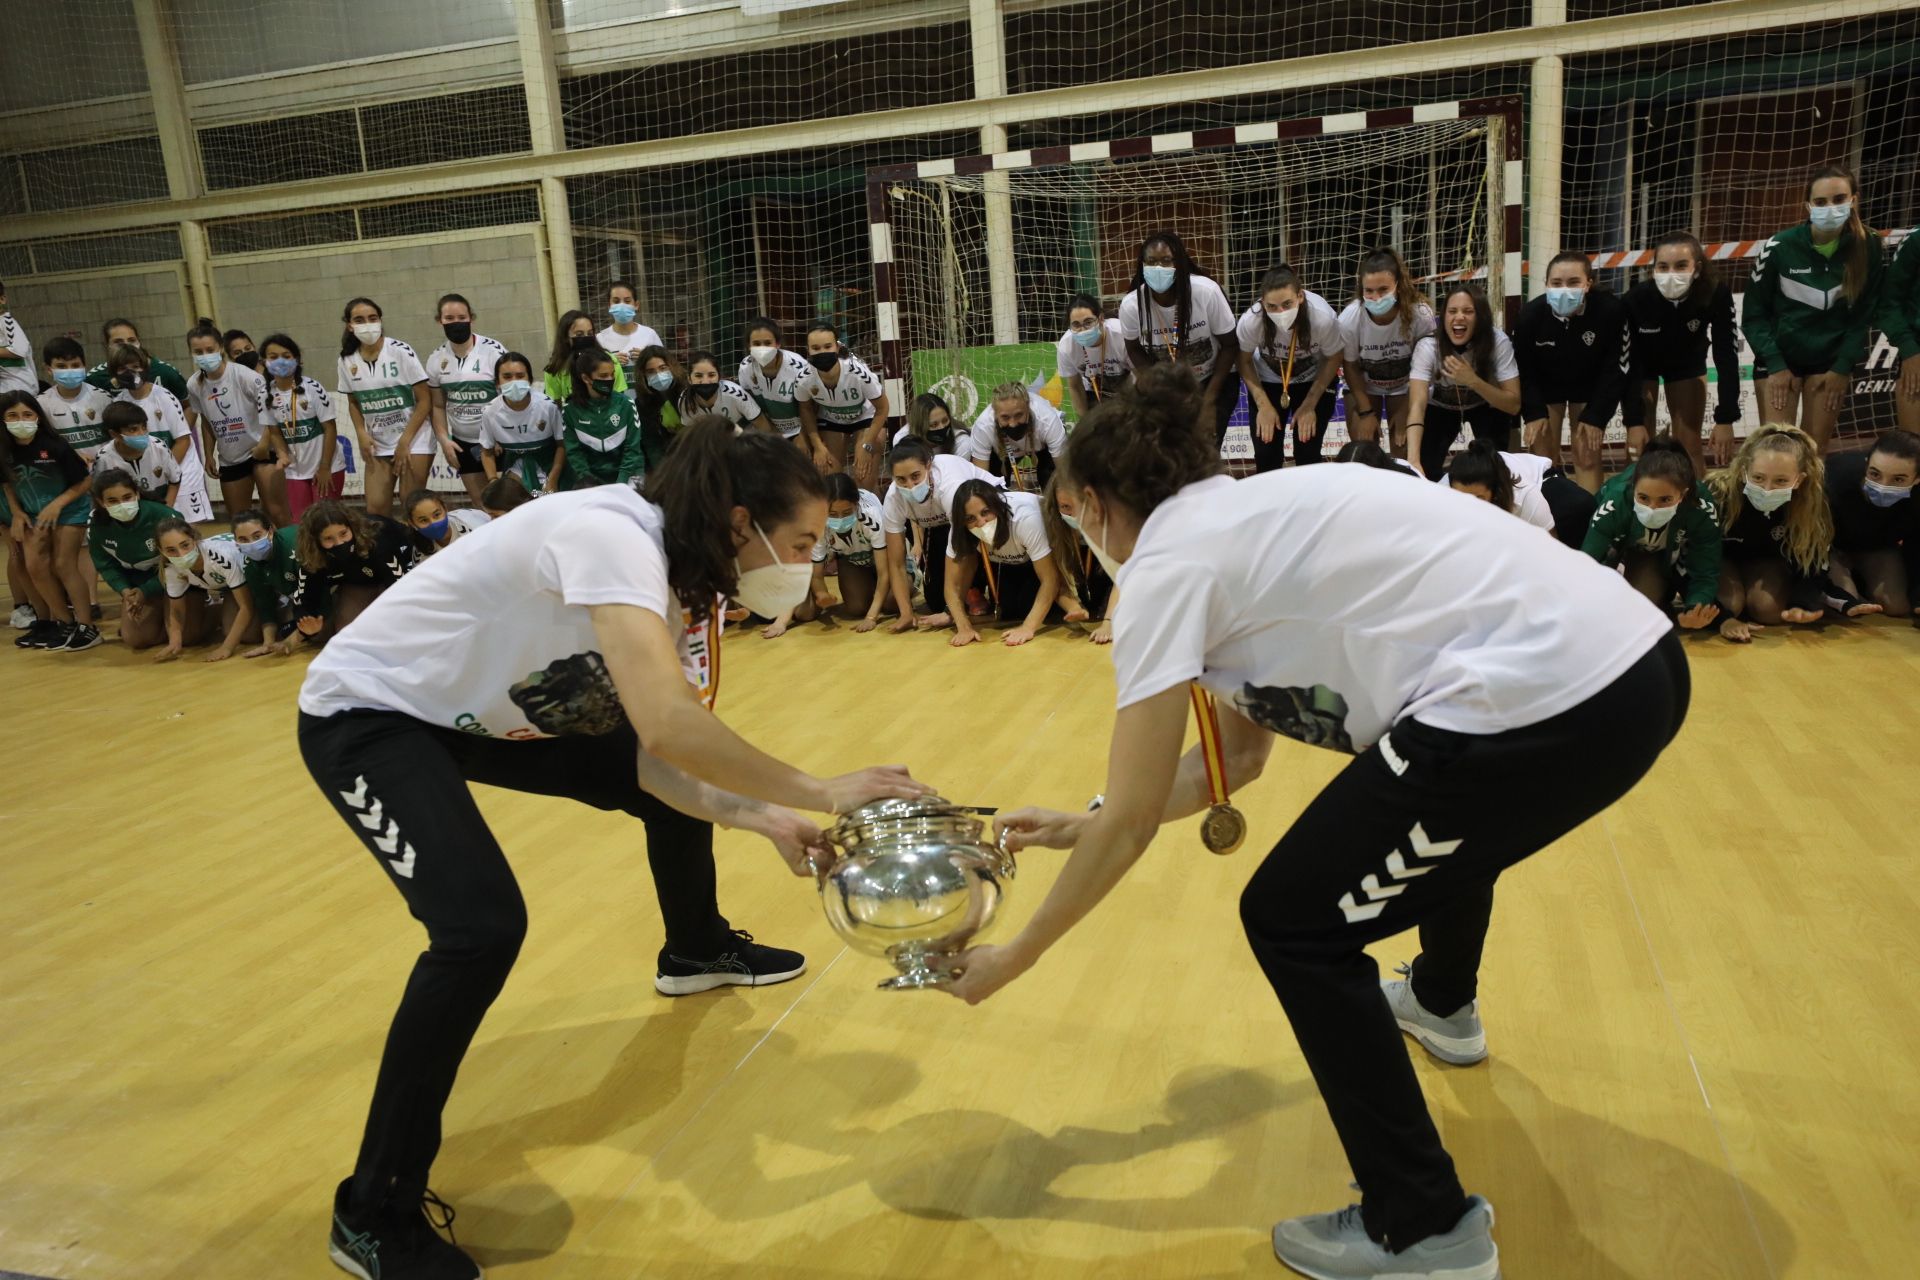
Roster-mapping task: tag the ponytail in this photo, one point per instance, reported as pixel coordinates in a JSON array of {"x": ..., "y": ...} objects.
[
  {"x": 1407, "y": 298},
  {"x": 1140, "y": 449},
  {"x": 1482, "y": 464},
  {"x": 708, "y": 472},
  {"x": 1665, "y": 459}
]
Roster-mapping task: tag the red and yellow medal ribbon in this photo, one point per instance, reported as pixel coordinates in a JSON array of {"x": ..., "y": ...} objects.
[{"x": 1208, "y": 716}]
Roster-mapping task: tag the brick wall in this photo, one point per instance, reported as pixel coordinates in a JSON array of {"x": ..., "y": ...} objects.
[{"x": 150, "y": 296}]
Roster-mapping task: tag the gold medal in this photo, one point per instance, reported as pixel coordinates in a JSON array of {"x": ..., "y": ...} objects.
[{"x": 1223, "y": 830}]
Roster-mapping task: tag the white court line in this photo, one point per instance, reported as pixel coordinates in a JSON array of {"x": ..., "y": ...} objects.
[{"x": 1673, "y": 1012}]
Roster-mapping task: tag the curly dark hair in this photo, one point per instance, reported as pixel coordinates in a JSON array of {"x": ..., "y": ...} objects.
[{"x": 1140, "y": 449}]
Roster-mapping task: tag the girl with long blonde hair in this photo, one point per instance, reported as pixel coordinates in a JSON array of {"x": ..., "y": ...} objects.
[{"x": 1777, "y": 531}]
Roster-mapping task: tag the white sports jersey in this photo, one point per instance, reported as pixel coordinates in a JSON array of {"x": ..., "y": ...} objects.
[
  {"x": 382, "y": 388},
  {"x": 1021, "y": 454},
  {"x": 494, "y": 635},
  {"x": 1209, "y": 320},
  {"x": 220, "y": 568},
  {"x": 16, "y": 357},
  {"x": 1381, "y": 352},
  {"x": 525, "y": 437},
  {"x": 848, "y": 404},
  {"x": 466, "y": 382},
  {"x": 1270, "y": 358},
  {"x": 1097, "y": 369},
  {"x": 168, "y": 422},
  {"x": 777, "y": 391},
  {"x": 1527, "y": 470},
  {"x": 302, "y": 414},
  {"x": 1429, "y": 367},
  {"x": 1328, "y": 603},
  {"x": 949, "y": 473},
  {"x": 857, "y": 544},
  {"x": 78, "y": 420},
  {"x": 617, "y": 343},
  {"x": 232, "y": 406},
  {"x": 154, "y": 471},
  {"x": 731, "y": 402},
  {"x": 1026, "y": 539}
]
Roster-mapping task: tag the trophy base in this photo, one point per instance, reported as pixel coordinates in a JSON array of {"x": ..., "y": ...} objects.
[{"x": 918, "y": 970}]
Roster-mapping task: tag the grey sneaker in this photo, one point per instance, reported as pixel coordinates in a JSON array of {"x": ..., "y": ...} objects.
[
  {"x": 1459, "y": 1039},
  {"x": 1335, "y": 1246}
]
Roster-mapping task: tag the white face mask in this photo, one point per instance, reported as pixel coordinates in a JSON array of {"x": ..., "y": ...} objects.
[
  {"x": 1655, "y": 517},
  {"x": 367, "y": 333},
  {"x": 772, "y": 589},
  {"x": 985, "y": 531},
  {"x": 1283, "y": 320},
  {"x": 1107, "y": 562},
  {"x": 763, "y": 355},
  {"x": 1673, "y": 285},
  {"x": 22, "y": 431}
]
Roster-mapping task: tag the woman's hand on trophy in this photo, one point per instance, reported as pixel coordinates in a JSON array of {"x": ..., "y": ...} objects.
[
  {"x": 981, "y": 971},
  {"x": 1040, "y": 829},
  {"x": 882, "y": 782},
  {"x": 802, "y": 845}
]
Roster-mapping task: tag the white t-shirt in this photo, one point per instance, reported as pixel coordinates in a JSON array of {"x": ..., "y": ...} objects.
[
  {"x": 1087, "y": 364},
  {"x": 777, "y": 391},
  {"x": 1326, "y": 603},
  {"x": 848, "y": 404},
  {"x": 1026, "y": 534},
  {"x": 617, "y": 343},
  {"x": 168, "y": 421},
  {"x": 949, "y": 473},
  {"x": 1270, "y": 359},
  {"x": 16, "y": 357},
  {"x": 302, "y": 415},
  {"x": 232, "y": 406},
  {"x": 154, "y": 471},
  {"x": 1210, "y": 318},
  {"x": 1527, "y": 470},
  {"x": 524, "y": 435},
  {"x": 1429, "y": 367},
  {"x": 1022, "y": 454},
  {"x": 383, "y": 389},
  {"x": 1381, "y": 351},
  {"x": 467, "y": 383},
  {"x": 731, "y": 402},
  {"x": 220, "y": 568},
  {"x": 494, "y": 636},
  {"x": 858, "y": 543},
  {"x": 78, "y": 420},
  {"x": 959, "y": 443}
]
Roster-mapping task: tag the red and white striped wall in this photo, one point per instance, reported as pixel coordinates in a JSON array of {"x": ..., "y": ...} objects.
[{"x": 893, "y": 353}]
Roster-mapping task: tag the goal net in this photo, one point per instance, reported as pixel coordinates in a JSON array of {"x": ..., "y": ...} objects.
[{"x": 1434, "y": 182}]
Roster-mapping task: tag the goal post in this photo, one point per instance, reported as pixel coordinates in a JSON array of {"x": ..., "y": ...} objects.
[{"x": 1440, "y": 181}]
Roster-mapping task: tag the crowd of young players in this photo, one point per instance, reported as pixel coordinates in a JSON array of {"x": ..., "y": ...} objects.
[{"x": 105, "y": 470}]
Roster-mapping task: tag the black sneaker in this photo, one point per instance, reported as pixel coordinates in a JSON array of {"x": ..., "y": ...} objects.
[
  {"x": 45, "y": 633},
  {"x": 397, "y": 1242},
  {"x": 79, "y": 636},
  {"x": 747, "y": 964}
]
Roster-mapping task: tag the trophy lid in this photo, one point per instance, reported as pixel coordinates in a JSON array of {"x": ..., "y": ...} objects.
[{"x": 891, "y": 815}]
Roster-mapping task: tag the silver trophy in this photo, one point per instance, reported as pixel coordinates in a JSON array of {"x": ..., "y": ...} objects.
[{"x": 914, "y": 882}]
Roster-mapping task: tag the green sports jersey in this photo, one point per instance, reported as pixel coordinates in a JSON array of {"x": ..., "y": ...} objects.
[
  {"x": 1691, "y": 540},
  {"x": 1795, "y": 311},
  {"x": 159, "y": 370},
  {"x": 273, "y": 580},
  {"x": 1899, "y": 315},
  {"x": 128, "y": 555},
  {"x": 603, "y": 442}
]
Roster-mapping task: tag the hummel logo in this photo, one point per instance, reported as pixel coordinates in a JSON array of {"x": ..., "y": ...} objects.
[
  {"x": 1799, "y": 271},
  {"x": 385, "y": 837},
  {"x": 1375, "y": 892}
]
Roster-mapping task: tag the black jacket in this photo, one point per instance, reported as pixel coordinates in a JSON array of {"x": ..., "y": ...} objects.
[
  {"x": 1858, "y": 525},
  {"x": 1579, "y": 359},
  {"x": 1671, "y": 339},
  {"x": 395, "y": 550}
]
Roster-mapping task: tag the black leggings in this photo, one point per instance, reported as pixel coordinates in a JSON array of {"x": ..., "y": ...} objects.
[
  {"x": 1443, "y": 424},
  {"x": 933, "y": 584},
  {"x": 1414, "y": 832},
  {"x": 1014, "y": 589},
  {"x": 400, "y": 784},
  {"x": 1572, "y": 507},
  {"x": 1226, "y": 398},
  {"x": 1272, "y": 456}
]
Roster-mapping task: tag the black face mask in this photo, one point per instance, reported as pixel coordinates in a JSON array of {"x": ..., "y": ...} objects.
[
  {"x": 1017, "y": 430},
  {"x": 129, "y": 379},
  {"x": 342, "y": 556},
  {"x": 706, "y": 390},
  {"x": 457, "y": 332},
  {"x": 247, "y": 359},
  {"x": 941, "y": 440},
  {"x": 824, "y": 360},
  {"x": 585, "y": 342}
]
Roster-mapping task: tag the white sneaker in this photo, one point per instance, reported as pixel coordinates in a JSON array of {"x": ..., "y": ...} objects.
[
  {"x": 22, "y": 617},
  {"x": 1457, "y": 1039},
  {"x": 1335, "y": 1246}
]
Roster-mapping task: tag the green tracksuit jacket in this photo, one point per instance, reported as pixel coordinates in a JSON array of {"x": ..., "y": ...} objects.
[
  {"x": 128, "y": 555},
  {"x": 1794, "y": 312},
  {"x": 603, "y": 441},
  {"x": 1899, "y": 316},
  {"x": 1691, "y": 539}
]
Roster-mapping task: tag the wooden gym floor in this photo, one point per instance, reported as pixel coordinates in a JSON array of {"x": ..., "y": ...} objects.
[{"x": 1700, "y": 1006}]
